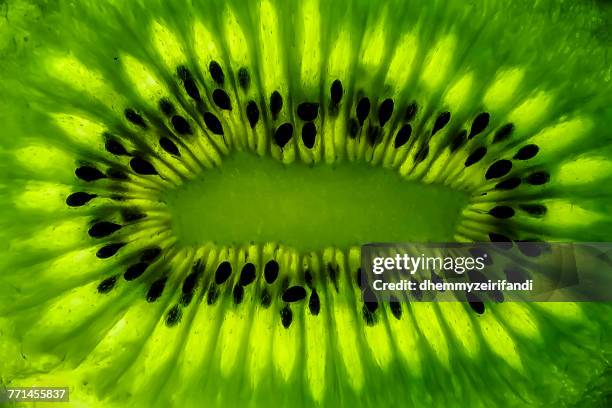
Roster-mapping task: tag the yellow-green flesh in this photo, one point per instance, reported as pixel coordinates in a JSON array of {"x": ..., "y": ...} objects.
[
  {"x": 251, "y": 199},
  {"x": 71, "y": 69}
]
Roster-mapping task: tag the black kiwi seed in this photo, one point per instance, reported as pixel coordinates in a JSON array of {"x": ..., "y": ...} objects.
[
  {"x": 314, "y": 303},
  {"x": 212, "y": 295},
  {"x": 89, "y": 173},
  {"x": 527, "y": 152},
  {"x": 135, "y": 271},
  {"x": 359, "y": 278},
  {"x": 476, "y": 276},
  {"x": 166, "y": 107},
  {"x": 501, "y": 241},
  {"x": 374, "y": 135},
  {"x": 216, "y": 72},
  {"x": 498, "y": 169},
  {"x": 132, "y": 214},
  {"x": 271, "y": 271},
  {"x": 435, "y": 278},
  {"x": 422, "y": 154},
  {"x": 103, "y": 229},
  {"x": 362, "y": 110},
  {"x": 283, "y": 134},
  {"x": 459, "y": 140},
  {"x": 221, "y": 99},
  {"x": 418, "y": 293},
  {"x": 276, "y": 104},
  {"x": 496, "y": 295},
  {"x": 515, "y": 274},
  {"x": 403, "y": 135},
  {"x": 247, "y": 275},
  {"x": 189, "y": 84},
  {"x": 308, "y": 278},
  {"x": 508, "y": 184},
  {"x": 150, "y": 254},
  {"x": 476, "y": 156},
  {"x": 479, "y": 252},
  {"x": 371, "y": 305},
  {"x": 252, "y": 112},
  {"x": 174, "y": 315},
  {"x": 385, "y": 110},
  {"x": 538, "y": 178},
  {"x": 294, "y": 294},
  {"x": 169, "y": 146},
  {"x": 503, "y": 133},
  {"x": 116, "y": 174},
  {"x": 286, "y": 316},
  {"x": 244, "y": 79},
  {"x": 441, "y": 121},
  {"x": 368, "y": 316},
  {"x": 213, "y": 123},
  {"x": 529, "y": 248},
  {"x": 109, "y": 250},
  {"x": 142, "y": 167},
  {"x": 134, "y": 117},
  {"x": 333, "y": 275},
  {"x": 308, "y": 111},
  {"x": 353, "y": 127},
  {"x": 224, "y": 271},
  {"x": 197, "y": 267},
  {"x": 336, "y": 92},
  {"x": 477, "y": 305},
  {"x": 113, "y": 146},
  {"x": 502, "y": 211},
  {"x": 192, "y": 89},
  {"x": 107, "y": 284},
  {"x": 238, "y": 294},
  {"x": 181, "y": 125},
  {"x": 266, "y": 299},
  {"x": 396, "y": 307},
  {"x": 480, "y": 123},
  {"x": 183, "y": 73},
  {"x": 79, "y": 199},
  {"x": 189, "y": 285},
  {"x": 536, "y": 210},
  {"x": 156, "y": 289},
  {"x": 309, "y": 134},
  {"x": 411, "y": 112}
]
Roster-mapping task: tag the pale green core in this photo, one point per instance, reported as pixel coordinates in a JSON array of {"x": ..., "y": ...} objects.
[{"x": 254, "y": 199}]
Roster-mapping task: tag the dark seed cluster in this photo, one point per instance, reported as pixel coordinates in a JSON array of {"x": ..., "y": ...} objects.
[{"x": 148, "y": 140}]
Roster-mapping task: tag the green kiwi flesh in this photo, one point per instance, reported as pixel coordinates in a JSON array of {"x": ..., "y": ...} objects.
[
  {"x": 185, "y": 186},
  {"x": 261, "y": 200}
]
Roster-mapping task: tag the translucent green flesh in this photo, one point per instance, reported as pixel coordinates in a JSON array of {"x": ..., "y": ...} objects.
[
  {"x": 69, "y": 69},
  {"x": 252, "y": 199}
]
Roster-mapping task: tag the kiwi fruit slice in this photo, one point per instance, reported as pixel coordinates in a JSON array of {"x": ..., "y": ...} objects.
[{"x": 186, "y": 186}]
